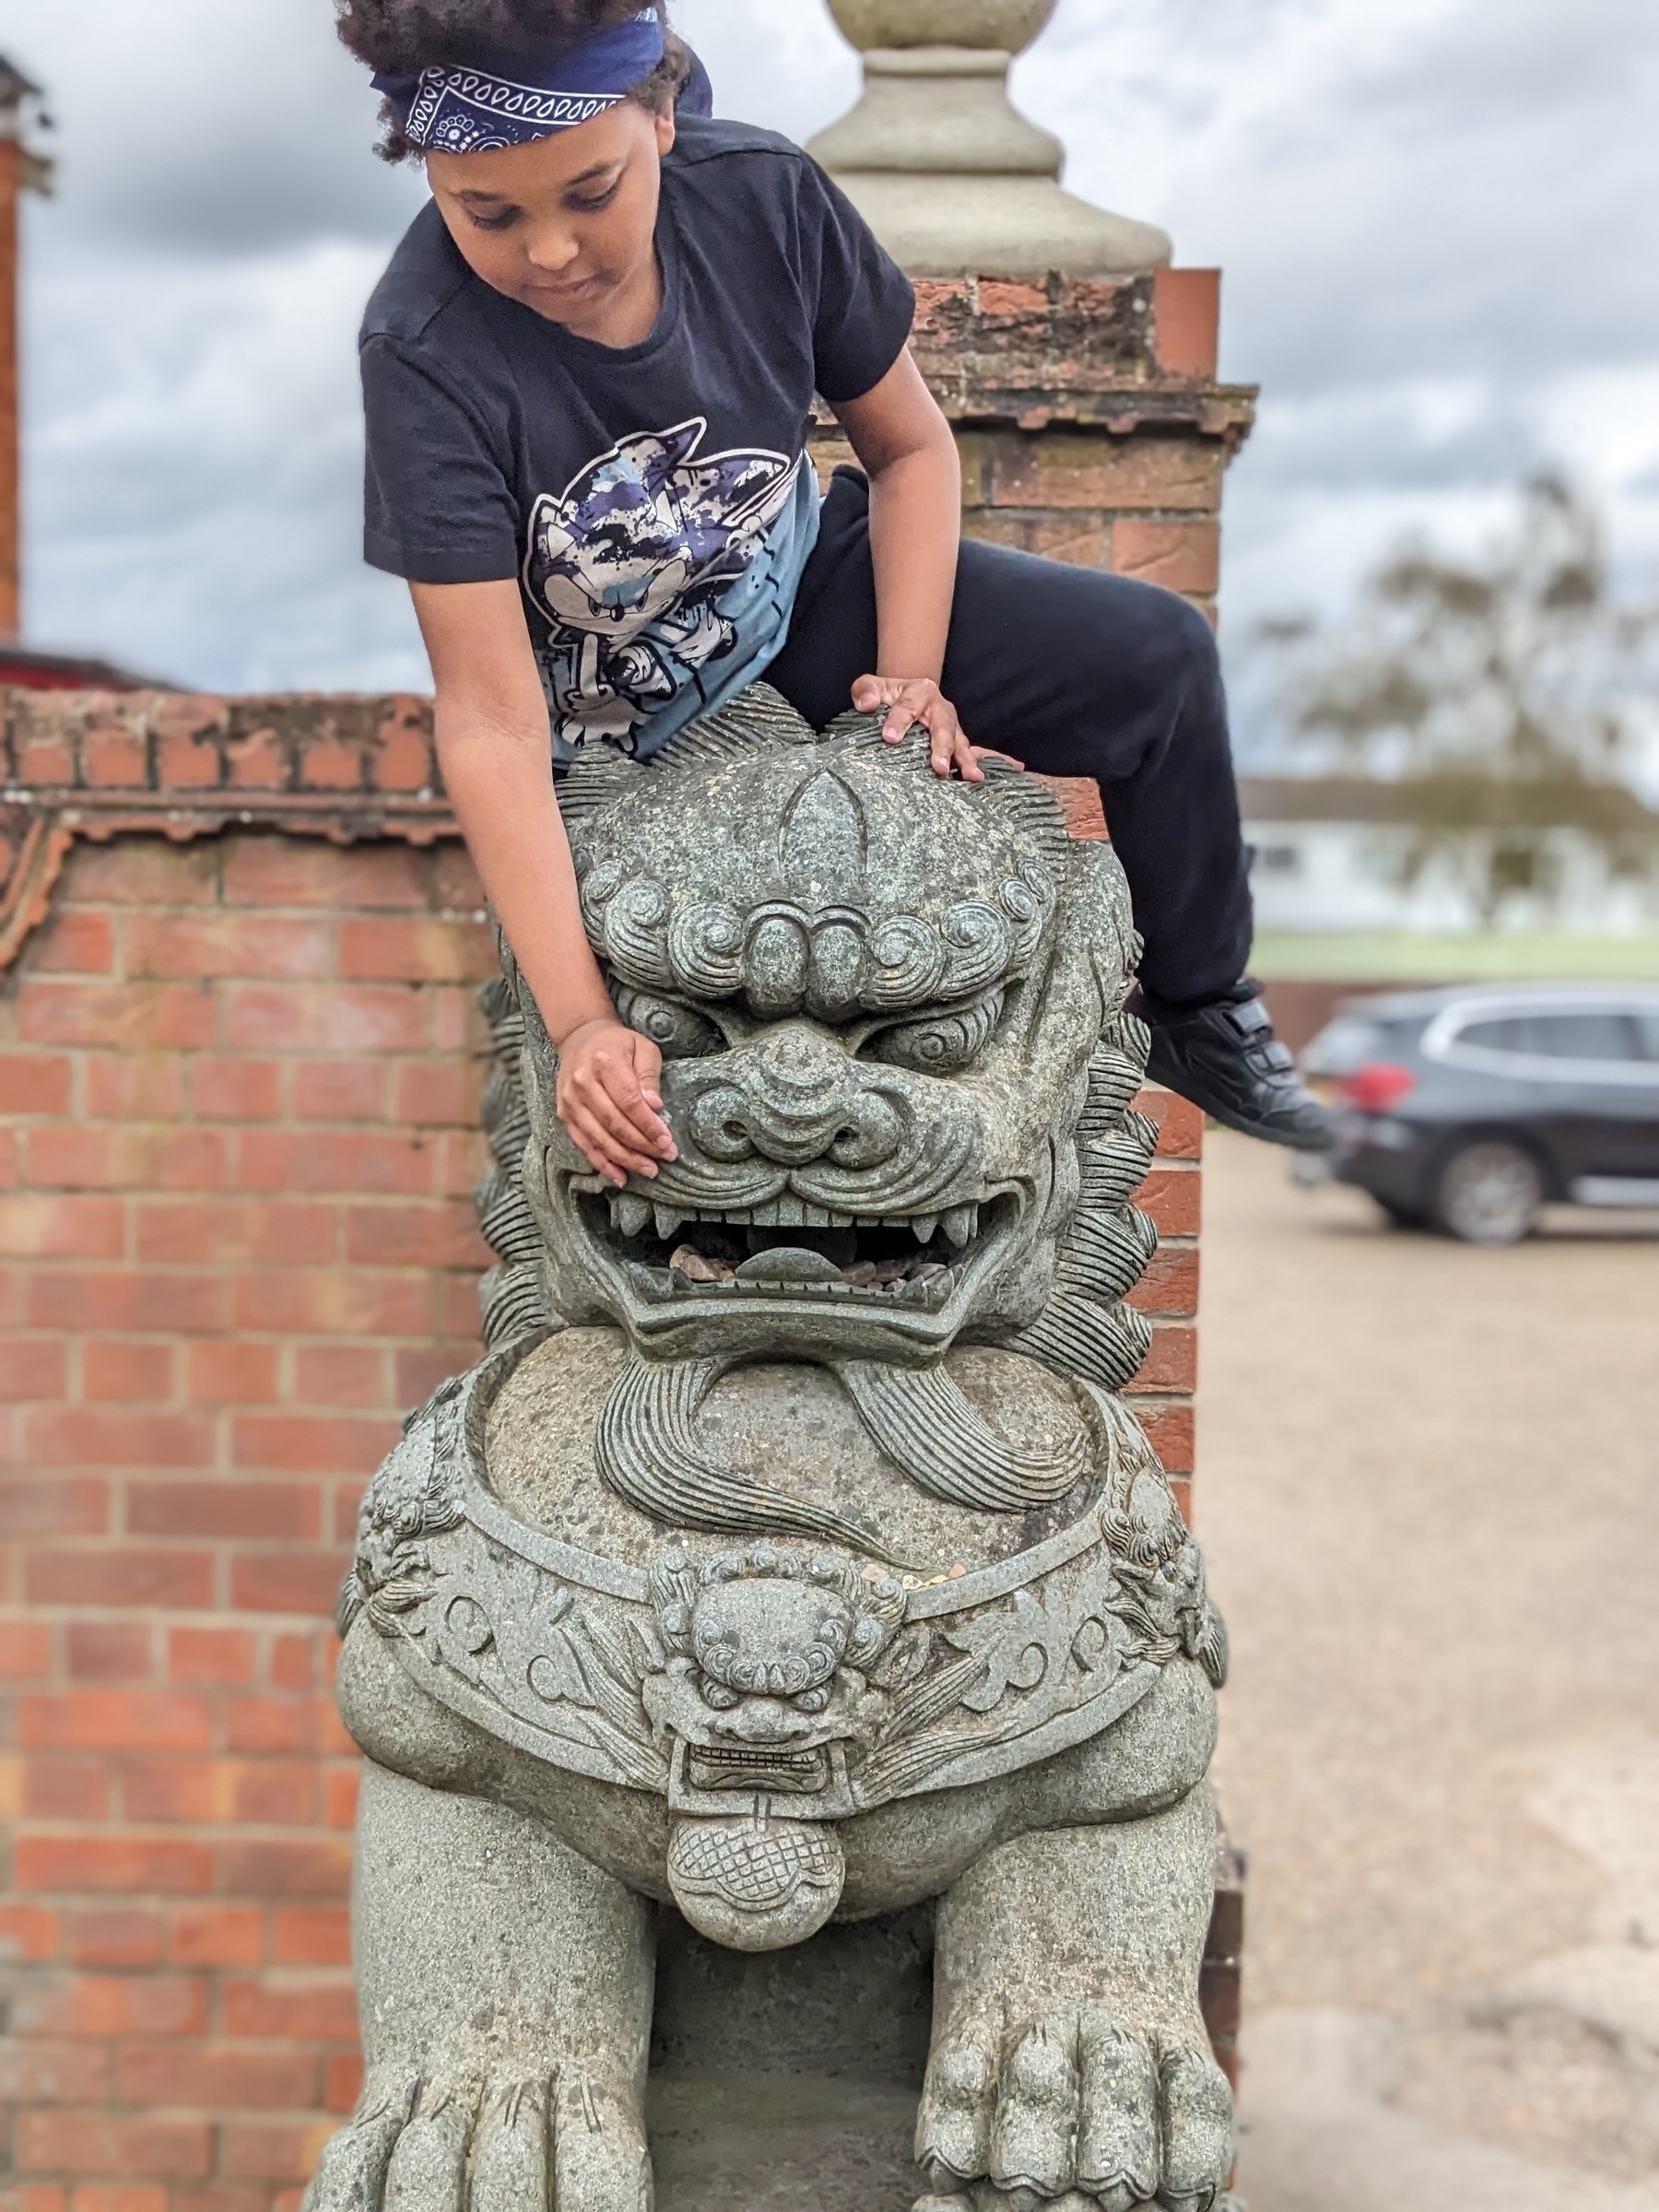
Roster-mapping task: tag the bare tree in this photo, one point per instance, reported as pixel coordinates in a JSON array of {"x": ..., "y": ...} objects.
[{"x": 1503, "y": 700}]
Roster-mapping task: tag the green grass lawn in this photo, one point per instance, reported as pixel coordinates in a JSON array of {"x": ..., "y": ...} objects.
[{"x": 1476, "y": 956}]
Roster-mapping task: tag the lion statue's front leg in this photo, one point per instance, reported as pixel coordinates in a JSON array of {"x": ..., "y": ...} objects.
[
  {"x": 504, "y": 1989},
  {"x": 1070, "y": 2064}
]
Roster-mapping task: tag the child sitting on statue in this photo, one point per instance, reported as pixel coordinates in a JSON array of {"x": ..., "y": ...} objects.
[{"x": 589, "y": 375}]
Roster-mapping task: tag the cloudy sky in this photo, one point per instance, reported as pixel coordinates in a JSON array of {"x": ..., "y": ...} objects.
[{"x": 1438, "y": 220}]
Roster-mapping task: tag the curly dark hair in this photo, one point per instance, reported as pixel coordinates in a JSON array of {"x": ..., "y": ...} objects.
[{"x": 404, "y": 36}]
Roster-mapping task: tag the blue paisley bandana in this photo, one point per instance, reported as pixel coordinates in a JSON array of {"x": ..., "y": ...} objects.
[{"x": 506, "y": 98}]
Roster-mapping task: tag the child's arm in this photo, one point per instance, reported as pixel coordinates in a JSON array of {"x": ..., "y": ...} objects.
[
  {"x": 910, "y": 455},
  {"x": 495, "y": 751}
]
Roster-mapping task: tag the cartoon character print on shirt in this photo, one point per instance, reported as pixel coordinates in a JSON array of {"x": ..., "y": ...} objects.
[{"x": 630, "y": 565}]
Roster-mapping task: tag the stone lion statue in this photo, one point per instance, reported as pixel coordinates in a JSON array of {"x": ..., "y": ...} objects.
[{"x": 791, "y": 1556}]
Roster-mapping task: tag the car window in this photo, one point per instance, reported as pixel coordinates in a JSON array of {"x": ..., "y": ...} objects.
[
  {"x": 1494, "y": 1036},
  {"x": 1599, "y": 1034},
  {"x": 1606, "y": 1035},
  {"x": 1646, "y": 1022}
]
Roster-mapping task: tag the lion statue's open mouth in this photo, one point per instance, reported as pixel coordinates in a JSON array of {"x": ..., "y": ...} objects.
[{"x": 787, "y": 1248}]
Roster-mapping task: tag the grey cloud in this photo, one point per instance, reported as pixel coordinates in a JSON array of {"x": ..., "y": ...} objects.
[
  {"x": 211, "y": 126},
  {"x": 1428, "y": 190},
  {"x": 194, "y": 487},
  {"x": 1403, "y": 437},
  {"x": 1529, "y": 61},
  {"x": 780, "y": 63}
]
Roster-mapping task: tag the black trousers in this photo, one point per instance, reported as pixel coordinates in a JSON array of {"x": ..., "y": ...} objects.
[{"x": 1077, "y": 673}]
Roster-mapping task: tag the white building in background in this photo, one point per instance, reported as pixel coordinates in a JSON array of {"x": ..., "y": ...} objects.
[{"x": 1327, "y": 855}]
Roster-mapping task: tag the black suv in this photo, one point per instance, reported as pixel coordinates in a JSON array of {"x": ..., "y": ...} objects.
[{"x": 1468, "y": 1109}]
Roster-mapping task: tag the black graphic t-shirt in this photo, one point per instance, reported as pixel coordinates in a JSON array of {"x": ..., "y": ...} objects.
[{"x": 654, "y": 502}]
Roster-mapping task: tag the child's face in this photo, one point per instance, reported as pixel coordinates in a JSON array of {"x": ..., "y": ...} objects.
[{"x": 566, "y": 224}]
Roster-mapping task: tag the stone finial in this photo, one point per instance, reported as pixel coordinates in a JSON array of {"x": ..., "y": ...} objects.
[{"x": 952, "y": 177}]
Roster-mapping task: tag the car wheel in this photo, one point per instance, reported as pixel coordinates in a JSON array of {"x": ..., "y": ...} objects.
[{"x": 1488, "y": 1192}]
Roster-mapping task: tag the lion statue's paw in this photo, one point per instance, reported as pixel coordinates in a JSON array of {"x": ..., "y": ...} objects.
[
  {"x": 573, "y": 2138},
  {"x": 1071, "y": 2112}
]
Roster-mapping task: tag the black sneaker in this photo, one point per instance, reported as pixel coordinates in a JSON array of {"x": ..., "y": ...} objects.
[{"x": 1227, "y": 1059}]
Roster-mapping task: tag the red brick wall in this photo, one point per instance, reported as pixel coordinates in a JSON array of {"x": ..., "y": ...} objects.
[{"x": 240, "y": 1087}]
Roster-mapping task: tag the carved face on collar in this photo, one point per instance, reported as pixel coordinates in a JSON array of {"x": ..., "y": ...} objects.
[
  {"x": 877, "y": 994},
  {"x": 770, "y": 1657}
]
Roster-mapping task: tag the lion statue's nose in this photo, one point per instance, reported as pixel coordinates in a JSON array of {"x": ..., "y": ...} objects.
[
  {"x": 760, "y": 1720},
  {"x": 795, "y": 1098}
]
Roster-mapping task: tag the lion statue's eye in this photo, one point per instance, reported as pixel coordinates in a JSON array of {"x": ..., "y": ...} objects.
[
  {"x": 945, "y": 1043},
  {"x": 679, "y": 1033}
]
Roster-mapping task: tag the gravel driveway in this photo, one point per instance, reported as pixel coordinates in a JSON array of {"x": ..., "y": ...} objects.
[{"x": 1430, "y": 1496}]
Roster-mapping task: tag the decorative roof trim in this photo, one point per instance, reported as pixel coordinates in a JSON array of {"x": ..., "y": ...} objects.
[{"x": 106, "y": 764}]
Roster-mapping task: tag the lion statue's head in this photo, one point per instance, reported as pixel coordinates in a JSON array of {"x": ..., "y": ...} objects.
[{"x": 899, "y": 1073}]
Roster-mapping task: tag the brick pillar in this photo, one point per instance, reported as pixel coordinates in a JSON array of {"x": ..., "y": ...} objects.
[
  {"x": 11, "y": 188},
  {"x": 1092, "y": 429},
  {"x": 21, "y": 169},
  {"x": 1091, "y": 423}
]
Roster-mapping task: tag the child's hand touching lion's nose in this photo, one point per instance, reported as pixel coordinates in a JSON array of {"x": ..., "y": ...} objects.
[{"x": 610, "y": 1099}]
